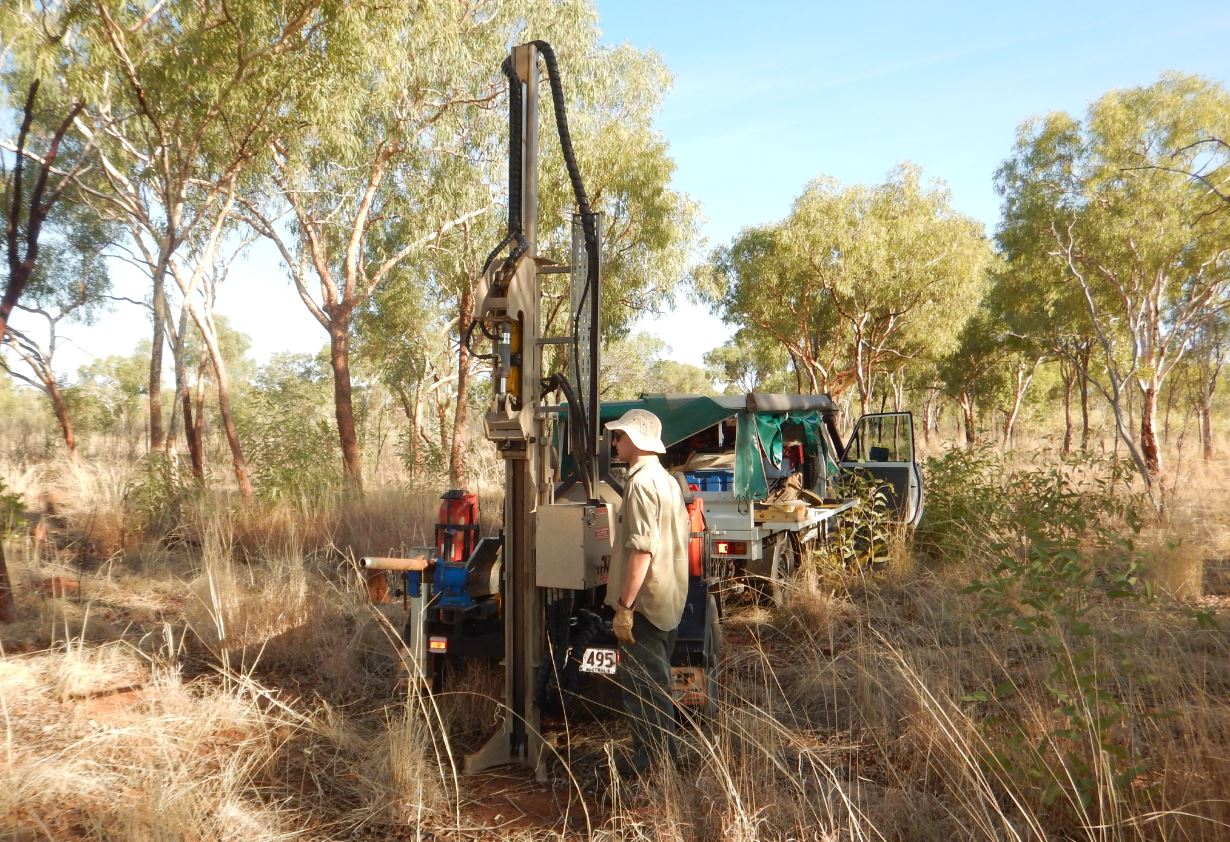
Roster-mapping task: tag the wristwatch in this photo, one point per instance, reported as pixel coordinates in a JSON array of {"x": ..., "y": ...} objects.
[{"x": 625, "y": 606}]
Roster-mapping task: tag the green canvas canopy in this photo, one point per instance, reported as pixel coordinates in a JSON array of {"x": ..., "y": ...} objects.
[{"x": 759, "y": 419}]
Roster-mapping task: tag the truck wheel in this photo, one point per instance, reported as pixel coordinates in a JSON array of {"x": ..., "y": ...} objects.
[
  {"x": 713, "y": 658},
  {"x": 782, "y": 553}
]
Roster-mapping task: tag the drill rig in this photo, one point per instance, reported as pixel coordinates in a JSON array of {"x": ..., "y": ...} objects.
[
  {"x": 538, "y": 588},
  {"x": 535, "y": 592},
  {"x": 508, "y": 312}
]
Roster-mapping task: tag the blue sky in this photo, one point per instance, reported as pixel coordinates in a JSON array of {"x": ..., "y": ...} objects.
[{"x": 769, "y": 96}]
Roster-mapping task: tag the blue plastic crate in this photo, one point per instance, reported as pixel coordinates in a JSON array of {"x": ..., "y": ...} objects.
[{"x": 716, "y": 480}]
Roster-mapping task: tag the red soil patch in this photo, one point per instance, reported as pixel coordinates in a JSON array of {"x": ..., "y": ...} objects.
[
  {"x": 109, "y": 703},
  {"x": 60, "y": 587},
  {"x": 499, "y": 802}
]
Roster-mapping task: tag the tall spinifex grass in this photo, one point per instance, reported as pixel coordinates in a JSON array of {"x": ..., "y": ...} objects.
[
  {"x": 893, "y": 711},
  {"x": 155, "y": 759}
]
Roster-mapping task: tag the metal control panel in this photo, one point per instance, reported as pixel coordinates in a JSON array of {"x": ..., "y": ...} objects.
[{"x": 573, "y": 542}]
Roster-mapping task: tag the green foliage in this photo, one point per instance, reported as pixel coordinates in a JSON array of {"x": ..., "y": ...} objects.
[
  {"x": 1104, "y": 217},
  {"x": 426, "y": 460},
  {"x": 108, "y": 394},
  {"x": 669, "y": 376},
  {"x": 24, "y": 418},
  {"x": 1054, "y": 544},
  {"x": 626, "y": 365},
  {"x": 286, "y": 429},
  {"x": 155, "y": 496},
  {"x": 965, "y": 491},
  {"x": 856, "y": 281},
  {"x": 12, "y": 511},
  {"x": 861, "y": 537},
  {"x": 750, "y": 362}
]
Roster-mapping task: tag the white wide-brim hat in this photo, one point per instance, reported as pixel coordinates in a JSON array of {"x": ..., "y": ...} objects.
[{"x": 643, "y": 427}]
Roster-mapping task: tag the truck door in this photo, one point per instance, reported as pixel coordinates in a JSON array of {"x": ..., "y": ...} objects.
[{"x": 882, "y": 446}]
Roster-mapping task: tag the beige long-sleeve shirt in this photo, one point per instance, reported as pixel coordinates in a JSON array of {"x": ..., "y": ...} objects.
[{"x": 653, "y": 519}]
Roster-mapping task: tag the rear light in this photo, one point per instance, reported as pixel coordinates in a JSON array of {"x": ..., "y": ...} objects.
[
  {"x": 437, "y": 645},
  {"x": 730, "y": 547}
]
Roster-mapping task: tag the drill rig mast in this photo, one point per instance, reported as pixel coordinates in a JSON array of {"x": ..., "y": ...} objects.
[{"x": 508, "y": 311}]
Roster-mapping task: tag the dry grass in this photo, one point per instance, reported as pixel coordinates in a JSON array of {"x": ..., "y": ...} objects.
[{"x": 226, "y": 680}]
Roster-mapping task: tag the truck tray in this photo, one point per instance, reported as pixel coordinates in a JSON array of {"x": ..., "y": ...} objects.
[{"x": 791, "y": 511}]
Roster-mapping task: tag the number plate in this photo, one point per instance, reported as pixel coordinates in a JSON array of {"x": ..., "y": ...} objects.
[{"x": 600, "y": 660}]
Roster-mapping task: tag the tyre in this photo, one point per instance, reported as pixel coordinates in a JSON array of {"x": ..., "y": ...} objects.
[
  {"x": 781, "y": 554},
  {"x": 713, "y": 658}
]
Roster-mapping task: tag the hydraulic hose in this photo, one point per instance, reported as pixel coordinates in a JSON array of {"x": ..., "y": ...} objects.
[
  {"x": 589, "y": 226},
  {"x": 516, "y": 230},
  {"x": 577, "y": 428}
]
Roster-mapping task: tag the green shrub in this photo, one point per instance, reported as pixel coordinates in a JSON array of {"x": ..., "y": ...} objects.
[
  {"x": 290, "y": 455},
  {"x": 861, "y": 537},
  {"x": 1052, "y": 543},
  {"x": 965, "y": 492},
  {"x": 12, "y": 511},
  {"x": 155, "y": 496},
  {"x": 287, "y": 429}
]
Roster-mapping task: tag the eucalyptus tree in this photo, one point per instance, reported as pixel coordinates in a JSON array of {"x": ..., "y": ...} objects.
[
  {"x": 672, "y": 376},
  {"x": 108, "y": 394},
  {"x": 69, "y": 283},
  {"x": 971, "y": 373},
  {"x": 197, "y": 378},
  {"x": 748, "y": 362},
  {"x": 1141, "y": 244},
  {"x": 1033, "y": 324},
  {"x": 363, "y": 184},
  {"x": 857, "y": 281},
  {"x": 1204, "y": 363},
  {"x": 27, "y": 204},
  {"x": 404, "y": 338},
  {"x": 626, "y": 363},
  {"x": 755, "y": 284},
  {"x": 433, "y": 162},
  {"x": 648, "y": 229},
  {"x": 182, "y": 97},
  {"x": 1040, "y": 308},
  {"x": 33, "y": 201}
]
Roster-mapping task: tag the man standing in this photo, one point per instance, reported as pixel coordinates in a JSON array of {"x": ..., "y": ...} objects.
[{"x": 648, "y": 585}]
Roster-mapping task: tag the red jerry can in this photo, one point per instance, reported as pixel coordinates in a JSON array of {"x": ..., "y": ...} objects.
[
  {"x": 457, "y": 529},
  {"x": 696, "y": 544}
]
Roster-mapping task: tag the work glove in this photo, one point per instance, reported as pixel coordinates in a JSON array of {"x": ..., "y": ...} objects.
[{"x": 623, "y": 626}]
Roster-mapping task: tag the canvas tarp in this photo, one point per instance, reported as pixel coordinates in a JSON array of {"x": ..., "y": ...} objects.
[{"x": 758, "y": 436}]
